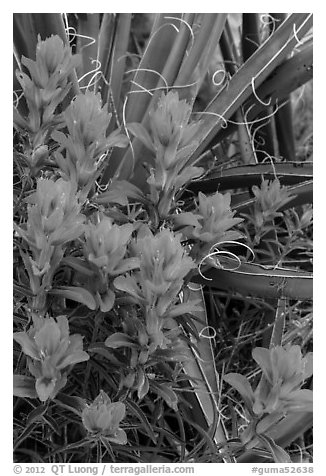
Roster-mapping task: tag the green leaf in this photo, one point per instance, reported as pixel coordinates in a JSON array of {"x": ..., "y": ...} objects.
[
  {"x": 201, "y": 370},
  {"x": 117, "y": 340},
  {"x": 76, "y": 293},
  {"x": 117, "y": 64},
  {"x": 119, "y": 192},
  {"x": 165, "y": 391},
  {"x": 36, "y": 414},
  {"x": 139, "y": 131},
  {"x": 242, "y": 385},
  {"x": 259, "y": 280},
  {"x": 24, "y": 386},
  {"x": 288, "y": 173},
  {"x": 279, "y": 455},
  {"x": 258, "y": 67},
  {"x": 88, "y": 30},
  {"x": 74, "y": 404},
  {"x": 137, "y": 411},
  {"x": 290, "y": 75}
]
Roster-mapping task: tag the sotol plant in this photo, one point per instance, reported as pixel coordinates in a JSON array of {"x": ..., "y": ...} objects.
[{"x": 127, "y": 197}]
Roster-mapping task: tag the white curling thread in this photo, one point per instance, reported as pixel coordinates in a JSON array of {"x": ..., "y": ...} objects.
[
  {"x": 227, "y": 253},
  {"x": 223, "y": 77},
  {"x": 237, "y": 243},
  {"x": 256, "y": 96},
  {"x": 257, "y": 120},
  {"x": 96, "y": 71},
  {"x": 160, "y": 88},
  {"x": 149, "y": 71},
  {"x": 199, "y": 270},
  {"x": 266, "y": 20},
  {"x": 251, "y": 138},
  {"x": 85, "y": 37},
  {"x": 92, "y": 81},
  {"x": 208, "y": 336},
  {"x": 187, "y": 25},
  {"x": 200, "y": 287},
  {"x": 101, "y": 188},
  {"x": 208, "y": 113},
  {"x": 141, "y": 90},
  {"x": 270, "y": 158},
  {"x": 295, "y": 34},
  {"x": 67, "y": 31},
  {"x": 17, "y": 97},
  {"x": 126, "y": 130},
  {"x": 250, "y": 40}
]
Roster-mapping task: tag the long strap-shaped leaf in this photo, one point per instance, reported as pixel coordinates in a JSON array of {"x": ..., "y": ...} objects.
[
  {"x": 286, "y": 78},
  {"x": 88, "y": 29},
  {"x": 201, "y": 370},
  {"x": 244, "y": 176},
  {"x": 259, "y": 280},
  {"x": 117, "y": 63},
  {"x": 251, "y": 74}
]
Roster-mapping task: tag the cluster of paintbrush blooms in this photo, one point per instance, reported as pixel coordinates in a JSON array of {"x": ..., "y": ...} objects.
[{"x": 124, "y": 255}]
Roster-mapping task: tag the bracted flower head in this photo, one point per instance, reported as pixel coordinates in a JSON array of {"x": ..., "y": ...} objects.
[
  {"x": 163, "y": 262},
  {"x": 54, "y": 62},
  {"x": 87, "y": 122},
  {"x": 86, "y": 119},
  {"x": 103, "y": 418},
  {"x": 54, "y": 213},
  {"x": 212, "y": 219},
  {"x": 279, "y": 389},
  {"x": 216, "y": 217},
  {"x": 51, "y": 351},
  {"x": 170, "y": 128},
  {"x": 47, "y": 86},
  {"x": 284, "y": 371},
  {"x": 106, "y": 245},
  {"x": 269, "y": 198}
]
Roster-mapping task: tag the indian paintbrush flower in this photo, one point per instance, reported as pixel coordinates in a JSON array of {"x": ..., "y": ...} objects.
[
  {"x": 102, "y": 418},
  {"x": 47, "y": 85},
  {"x": 173, "y": 142},
  {"x": 170, "y": 128},
  {"x": 211, "y": 221},
  {"x": 270, "y": 196},
  {"x": 87, "y": 122},
  {"x": 278, "y": 392},
  {"x": 163, "y": 266},
  {"x": 105, "y": 249},
  {"x": 51, "y": 352},
  {"x": 106, "y": 246},
  {"x": 53, "y": 213},
  {"x": 284, "y": 371}
]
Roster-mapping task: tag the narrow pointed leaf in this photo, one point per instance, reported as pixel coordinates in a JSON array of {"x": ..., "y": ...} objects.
[
  {"x": 289, "y": 173},
  {"x": 258, "y": 67},
  {"x": 200, "y": 368},
  {"x": 75, "y": 293},
  {"x": 279, "y": 455},
  {"x": 24, "y": 386},
  {"x": 262, "y": 281}
]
